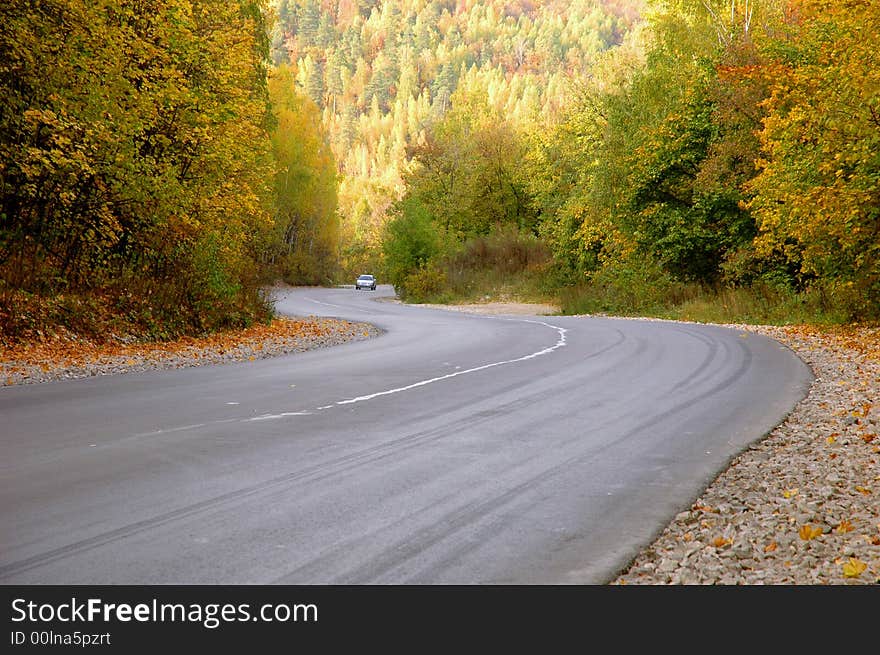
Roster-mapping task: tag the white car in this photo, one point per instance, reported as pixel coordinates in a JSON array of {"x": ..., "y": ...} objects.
[{"x": 365, "y": 282}]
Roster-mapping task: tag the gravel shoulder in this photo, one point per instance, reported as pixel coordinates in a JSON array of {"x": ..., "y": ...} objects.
[
  {"x": 801, "y": 506},
  {"x": 65, "y": 356}
]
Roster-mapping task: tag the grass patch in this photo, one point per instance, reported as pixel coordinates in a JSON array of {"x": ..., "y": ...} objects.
[{"x": 758, "y": 304}]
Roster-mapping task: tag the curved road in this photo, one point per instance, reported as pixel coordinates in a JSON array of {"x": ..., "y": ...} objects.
[{"x": 454, "y": 448}]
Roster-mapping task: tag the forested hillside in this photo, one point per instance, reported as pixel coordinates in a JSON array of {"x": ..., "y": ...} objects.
[
  {"x": 384, "y": 71},
  {"x": 720, "y": 161},
  {"x": 626, "y": 156}
]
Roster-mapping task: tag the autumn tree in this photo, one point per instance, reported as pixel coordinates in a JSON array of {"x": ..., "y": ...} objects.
[
  {"x": 306, "y": 221},
  {"x": 468, "y": 171},
  {"x": 652, "y": 160},
  {"x": 817, "y": 197},
  {"x": 134, "y": 154}
]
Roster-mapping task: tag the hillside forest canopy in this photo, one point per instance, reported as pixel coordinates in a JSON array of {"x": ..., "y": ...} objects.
[{"x": 162, "y": 161}]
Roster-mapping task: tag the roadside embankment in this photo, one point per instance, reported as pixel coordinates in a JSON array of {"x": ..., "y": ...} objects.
[{"x": 65, "y": 355}]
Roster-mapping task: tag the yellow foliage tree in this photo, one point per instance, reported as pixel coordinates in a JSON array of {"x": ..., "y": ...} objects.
[{"x": 817, "y": 196}]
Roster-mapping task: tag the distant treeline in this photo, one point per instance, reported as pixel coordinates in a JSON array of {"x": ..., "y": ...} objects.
[{"x": 151, "y": 160}]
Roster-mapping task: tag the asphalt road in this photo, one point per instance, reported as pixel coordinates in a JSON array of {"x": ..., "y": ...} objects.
[{"x": 454, "y": 448}]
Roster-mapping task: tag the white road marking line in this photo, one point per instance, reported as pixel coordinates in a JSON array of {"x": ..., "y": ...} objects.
[
  {"x": 270, "y": 417},
  {"x": 559, "y": 344},
  {"x": 327, "y": 304}
]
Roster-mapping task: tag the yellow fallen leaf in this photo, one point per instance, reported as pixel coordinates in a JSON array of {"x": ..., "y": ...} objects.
[
  {"x": 790, "y": 492},
  {"x": 721, "y": 542},
  {"x": 831, "y": 440},
  {"x": 854, "y": 568},
  {"x": 808, "y": 532},
  {"x": 863, "y": 490},
  {"x": 704, "y": 508},
  {"x": 769, "y": 548},
  {"x": 844, "y": 526}
]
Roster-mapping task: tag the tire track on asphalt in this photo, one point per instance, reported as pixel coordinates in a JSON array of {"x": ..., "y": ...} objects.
[
  {"x": 464, "y": 516},
  {"x": 314, "y": 473}
]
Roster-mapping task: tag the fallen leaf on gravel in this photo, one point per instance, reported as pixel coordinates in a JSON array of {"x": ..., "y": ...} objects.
[
  {"x": 721, "y": 542},
  {"x": 844, "y": 526},
  {"x": 863, "y": 490},
  {"x": 831, "y": 439},
  {"x": 688, "y": 536},
  {"x": 769, "y": 548},
  {"x": 789, "y": 493},
  {"x": 854, "y": 567},
  {"x": 808, "y": 532},
  {"x": 21, "y": 362},
  {"x": 704, "y": 508}
]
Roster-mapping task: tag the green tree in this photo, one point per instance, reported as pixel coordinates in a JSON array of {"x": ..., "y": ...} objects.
[{"x": 410, "y": 242}]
